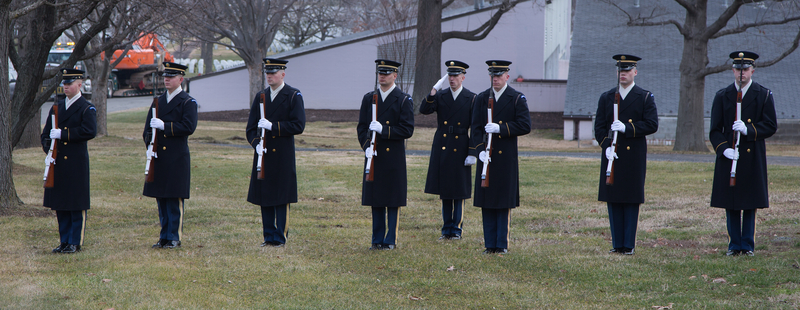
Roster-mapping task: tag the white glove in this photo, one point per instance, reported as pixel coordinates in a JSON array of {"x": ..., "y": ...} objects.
[
  {"x": 441, "y": 83},
  {"x": 740, "y": 127},
  {"x": 369, "y": 152},
  {"x": 471, "y": 160},
  {"x": 492, "y": 128},
  {"x": 376, "y": 127},
  {"x": 484, "y": 156},
  {"x": 156, "y": 123},
  {"x": 48, "y": 160},
  {"x": 55, "y": 133},
  {"x": 618, "y": 126},
  {"x": 610, "y": 154},
  {"x": 265, "y": 123},
  {"x": 151, "y": 154},
  {"x": 259, "y": 149},
  {"x": 731, "y": 154}
]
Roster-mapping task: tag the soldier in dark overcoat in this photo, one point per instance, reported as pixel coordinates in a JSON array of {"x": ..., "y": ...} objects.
[
  {"x": 510, "y": 119},
  {"x": 175, "y": 122},
  {"x": 757, "y": 122},
  {"x": 395, "y": 123},
  {"x": 449, "y": 170},
  {"x": 638, "y": 118},
  {"x": 284, "y": 117},
  {"x": 69, "y": 196}
]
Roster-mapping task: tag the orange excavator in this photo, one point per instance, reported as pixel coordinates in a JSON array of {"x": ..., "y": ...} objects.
[{"x": 135, "y": 71}]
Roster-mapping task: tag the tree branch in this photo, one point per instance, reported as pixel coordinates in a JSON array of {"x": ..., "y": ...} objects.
[
  {"x": 726, "y": 66},
  {"x": 481, "y": 32},
  {"x": 744, "y": 27},
  {"x": 722, "y": 20},
  {"x": 640, "y": 21}
]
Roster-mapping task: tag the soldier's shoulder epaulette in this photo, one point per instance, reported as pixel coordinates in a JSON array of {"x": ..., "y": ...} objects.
[{"x": 722, "y": 91}]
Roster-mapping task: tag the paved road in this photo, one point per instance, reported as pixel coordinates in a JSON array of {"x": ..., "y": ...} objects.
[{"x": 114, "y": 104}]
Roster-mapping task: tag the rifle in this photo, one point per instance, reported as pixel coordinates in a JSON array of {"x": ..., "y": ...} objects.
[
  {"x": 149, "y": 167},
  {"x": 261, "y": 158},
  {"x": 488, "y": 137},
  {"x": 738, "y": 118},
  {"x": 50, "y": 169},
  {"x": 610, "y": 168},
  {"x": 370, "y": 171}
]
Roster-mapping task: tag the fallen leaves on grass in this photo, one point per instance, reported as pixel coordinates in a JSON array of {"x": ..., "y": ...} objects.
[
  {"x": 451, "y": 268},
  {"x": 106, "y": 280},
  {"x": 719, "y": 280},
  {"x": 667, "y": 307},
  {"x": 412, "y": 297}
]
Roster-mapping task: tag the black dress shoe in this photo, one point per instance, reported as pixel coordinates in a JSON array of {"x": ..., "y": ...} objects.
[
  {"x": 748, "y": 253},
  {"x": 266, "y": 243},
  {"x": 488, "y": 251},
  {"x": 444, "y": 237},
  {"x": 159, "y": 244},
  {"x": 59, "y": 248},
  {"x": 732, "y": 253},
  {"x": 171, "y": 244},
  {"x": 375, "y": 246},
  {"x": 627, "y": 251},
  {"x": 501, "y": 251},
  {"x": 616, "y": 251},
  {"x": 71, "y": 248},
  {"x": 455, "y": 237},
  {"x": 276, "y": 244},
  {"x": 387, "y": 247}
]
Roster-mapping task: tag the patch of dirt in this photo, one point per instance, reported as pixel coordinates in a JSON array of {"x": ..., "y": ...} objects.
[{"x": 539, "y": 120}]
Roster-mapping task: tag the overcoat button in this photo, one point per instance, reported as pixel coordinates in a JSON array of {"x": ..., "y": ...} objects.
[
  {"x": 65, "y": 157},
  {"x": 273, "y": 150},
  {"x": 164, "y": 148},
  {"x": 748, "y": 120},
  {"x": 500, "y": 122},
  {"x": 443, "y": 148},
  {"x": 454, "y": 150},
  {"x": 459, "y": 123},
  {"x": 630, "y": 120},
  {"x": 387, "y": 122},
  {"x": 65, "y": 143},
  {"x": 748, "y": 150},
  {"x": 445, "y": 122},
  {"x": 273, "y": 137},
  {"x": 629, "y": 148},
  {"x": 456, "y": 137},
  {"x": 387, "y": 149},
  {"x": 499, "y": 152},
  {"x": 445, "y": 135}
]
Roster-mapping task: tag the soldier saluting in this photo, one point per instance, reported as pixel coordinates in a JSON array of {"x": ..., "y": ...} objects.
[
  {"x": 449, "y": 171},
  {"x": 621, "y": 135},
  {"x": 755, "y": 123},
  {"x": 507, "y": 119},
  {"x": 69, "y": 196},
  {"x": 175, "y": 121}
]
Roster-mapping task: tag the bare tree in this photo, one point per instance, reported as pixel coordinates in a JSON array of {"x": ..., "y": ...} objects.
[
  {"x": 697, "y": 30},
  {"x": 397, "y": 17},
  {"x": 430, "y": 38},
  {"x": 309, "y": 21},
  {"x": 28, "y": 30},
  {"x": 250, "y": 25}
]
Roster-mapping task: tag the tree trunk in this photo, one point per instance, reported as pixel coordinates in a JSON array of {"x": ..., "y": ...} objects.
[
  {"x": 31, "y": 136},
  {"x": 207, "y": 54},
  {"x": 8, "y": 193},
  {"x": 429, "y": 50},
  {"x": 100, "y": 95},
  {"x": 690, "y": 134},
  {"x": 256, "y": 78}
]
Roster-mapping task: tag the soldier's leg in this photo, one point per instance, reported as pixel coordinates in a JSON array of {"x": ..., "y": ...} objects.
[
  {"x": 281, "y": 215},
  {"x": 64, "y": 225},
  {"x": 616, "y": 222},
  {"x": 489, "y": 228},
  {"x": 174, "y": 218},
  {"x": 631, "y": 213},
  {"x": 447, "y": 217},
  {"x": 77, "y": 227},
  {"x": 163, "y": 217},
  {"x": 503, "y": 227},
  {"x": 748, "y": 230},
  {"x": 734, "y": 219},
  {"x": 268, "y": 223},
  {"x": 393, "y": 215},
  {"x": 378, "y": 224},
  {"x": 458, "y": 214}
]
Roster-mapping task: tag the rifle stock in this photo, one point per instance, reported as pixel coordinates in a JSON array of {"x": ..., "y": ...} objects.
[
  {"x": 373, "y": 144},
  {"x": 610, "y": 169},
  {"x": 153, "y": 147},
  {"x": 738, "y": 137},
  {"x": 261, "y": 158},
  {"x": 50, "y": 169},
  {"x": 489, "y": 116}
]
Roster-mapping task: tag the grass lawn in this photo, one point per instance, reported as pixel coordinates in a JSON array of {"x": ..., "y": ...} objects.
[{"x": 557, "y": 259}]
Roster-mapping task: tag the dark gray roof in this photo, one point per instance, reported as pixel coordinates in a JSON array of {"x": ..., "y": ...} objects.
[{"x": 600, "y": 31}]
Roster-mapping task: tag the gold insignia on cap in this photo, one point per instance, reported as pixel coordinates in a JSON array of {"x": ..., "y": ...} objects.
[
  {"x": 166, "y": 64},
  {"x": 741, "y": 54},
  {"x": 382, "y": 62},
  {"x": 268, "y": 61},
  {"x": 623, "y": 58},
  {"x": 452, "y": 63},
  {"x": 494, "y": 63},
  {"x": 65, "y": 71}
]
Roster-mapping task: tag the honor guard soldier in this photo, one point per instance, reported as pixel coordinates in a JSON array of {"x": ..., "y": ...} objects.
[
  {"x": 385, "y": 121},
  {"x": 740, "y": 172},
  {"x": 276, "y": 116},
  {"x": 174, "y": 122},
  {"x": 499, "y": 116},
  {"x": 449, "y": 171},
  {"x": 69, "y": 194},
  {"x": 625, "y": 115}
]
